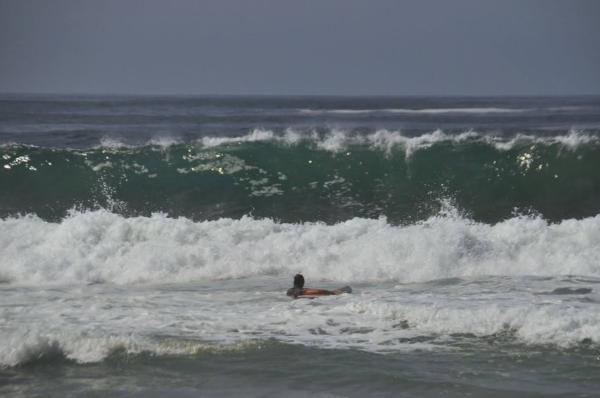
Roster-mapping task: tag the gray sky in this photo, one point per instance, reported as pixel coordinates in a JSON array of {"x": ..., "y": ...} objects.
[{"x": 457, "y": 47}]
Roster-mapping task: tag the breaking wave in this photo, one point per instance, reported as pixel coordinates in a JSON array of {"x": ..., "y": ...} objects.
[
  {"x": 102, "y": 246},
  {"x": 296, "y": 177}
]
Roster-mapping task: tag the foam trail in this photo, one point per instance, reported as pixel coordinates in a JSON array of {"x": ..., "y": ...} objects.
[
  {"x": 102, "y": 246},
  {"x": 426, "y": 111},
  {"x": 435, "y": 111}
]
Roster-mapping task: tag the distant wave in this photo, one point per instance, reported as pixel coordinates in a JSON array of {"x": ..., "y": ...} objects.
[
  {"x": 429, "y": 111},
  {"x": 338, "y": 140}
]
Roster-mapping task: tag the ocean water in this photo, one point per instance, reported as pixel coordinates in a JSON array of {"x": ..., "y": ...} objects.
[{"x": 146, "y": 244}]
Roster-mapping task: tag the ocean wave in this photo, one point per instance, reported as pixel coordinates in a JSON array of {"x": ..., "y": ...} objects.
[
  {"x": 427, "y": 111},
  {"x": 348, "y": 175},
  {"x": 102, "y": 246},
  {"x": 30, "y": 346},
  {"x": 337, "y": 140}
]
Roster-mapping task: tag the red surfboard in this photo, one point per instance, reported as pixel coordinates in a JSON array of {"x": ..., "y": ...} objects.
[{"x": 314, "y": 293}]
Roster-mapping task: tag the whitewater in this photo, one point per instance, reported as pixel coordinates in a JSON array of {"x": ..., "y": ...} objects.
[
  {"x": 429, "y": 282},
  {"x": 103, "y": 247}
]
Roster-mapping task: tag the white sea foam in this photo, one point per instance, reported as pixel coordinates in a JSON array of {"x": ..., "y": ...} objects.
[
  {"x": 112, "y": 143},
  {"x": 257, "y": 135},
  {"x": 27, "y": 346},
  {"x": 102, "y": 246},
  {"x": 97, "y": 282},
  {"x": 89, "y": 323},
  {"x": 337, "y": 140},
  {"x": 387, "y": 140},
  {"x": 253, "y": 136},
  {"x": 571, "y": 141},
  {"x": 164, "y": 141},
  {"x": 574, "y": 139},
  {"x": 115, "y": 143}
]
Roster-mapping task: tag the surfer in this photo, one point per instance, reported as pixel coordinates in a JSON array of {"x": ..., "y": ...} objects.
[{"x": 300, "y": 291}]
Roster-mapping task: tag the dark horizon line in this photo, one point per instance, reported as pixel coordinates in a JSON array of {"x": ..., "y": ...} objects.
[{"x": 265, "y": 95}]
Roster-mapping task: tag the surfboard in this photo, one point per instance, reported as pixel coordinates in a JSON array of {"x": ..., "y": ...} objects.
[{"x": 314, "y": 293}]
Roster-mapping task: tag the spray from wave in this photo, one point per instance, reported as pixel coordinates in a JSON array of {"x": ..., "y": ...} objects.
[{"x": 337, "y": 140}]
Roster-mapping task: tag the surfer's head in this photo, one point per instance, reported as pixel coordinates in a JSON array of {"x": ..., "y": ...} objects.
[{"x": 299, "y": 281}]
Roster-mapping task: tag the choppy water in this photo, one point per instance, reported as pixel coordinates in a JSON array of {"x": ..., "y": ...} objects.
[{"x": 146, "y": 245}]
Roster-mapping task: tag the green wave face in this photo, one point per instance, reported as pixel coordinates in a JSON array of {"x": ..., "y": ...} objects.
[{"x": 304, "y": 182}]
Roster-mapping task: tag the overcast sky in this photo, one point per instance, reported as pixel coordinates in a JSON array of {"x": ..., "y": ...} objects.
[{"x": 457, "y": 47}]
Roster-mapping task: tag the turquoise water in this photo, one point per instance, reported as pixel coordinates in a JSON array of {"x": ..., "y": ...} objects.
[{"x": 313, "y": 179}]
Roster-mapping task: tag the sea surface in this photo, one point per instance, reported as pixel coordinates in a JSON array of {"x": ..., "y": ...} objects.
[{"x": 146, "y": 244}]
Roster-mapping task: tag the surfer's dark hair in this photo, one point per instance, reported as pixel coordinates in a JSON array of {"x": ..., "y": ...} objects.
[{"x": 299, "y": 281}]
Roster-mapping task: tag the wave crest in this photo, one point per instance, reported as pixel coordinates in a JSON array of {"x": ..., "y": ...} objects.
[{"x": 337, "y": 140}]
